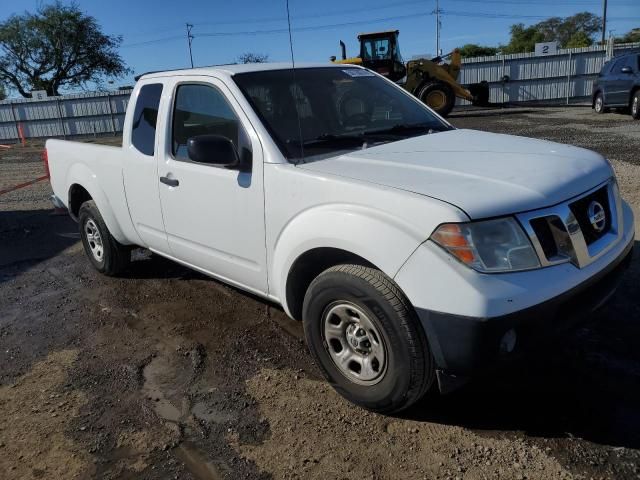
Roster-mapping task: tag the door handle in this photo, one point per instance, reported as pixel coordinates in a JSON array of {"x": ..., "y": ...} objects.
[{"x": 172, "y": 182}]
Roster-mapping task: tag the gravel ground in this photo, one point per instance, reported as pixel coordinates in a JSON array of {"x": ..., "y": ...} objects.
[{"x": 164, "y": 373}]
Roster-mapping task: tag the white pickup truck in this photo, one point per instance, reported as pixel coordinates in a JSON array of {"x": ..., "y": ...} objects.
[{"x": 415, "y": 254}]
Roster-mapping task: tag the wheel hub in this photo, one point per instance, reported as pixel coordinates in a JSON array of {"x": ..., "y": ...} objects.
[
  {"x": 354, "y": 343},
  {"x": 358, "y": 338},
  {"x": 436, "y": 99},
  {"x": 94, "y": 239}
]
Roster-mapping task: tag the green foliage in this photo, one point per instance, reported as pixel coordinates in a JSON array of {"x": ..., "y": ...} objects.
[
  {"x": 523, "y": 39},
  {"x": 632, "y": 36},
  {"x": 59, "y": 46},
  {"x": 472, "y": 50},
  {"x": 579, "y": 39},
  {"x": 575, "y": 31},
  {"x": 3, "y": 92},
  {"x": 253, "y": 58}
]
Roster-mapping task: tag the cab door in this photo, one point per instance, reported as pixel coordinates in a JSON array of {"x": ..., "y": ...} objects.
[
  {"x": 140, "y": 165},
  {"x": 213, "y": 216},
  {"x": 616, "y": 93}
]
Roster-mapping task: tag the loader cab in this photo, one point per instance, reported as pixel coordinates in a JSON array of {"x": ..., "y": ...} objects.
[{"x": 380, "y": 52}]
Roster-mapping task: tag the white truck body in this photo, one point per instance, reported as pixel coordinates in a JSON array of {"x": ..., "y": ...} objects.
[{"x": 381, "y": 204}]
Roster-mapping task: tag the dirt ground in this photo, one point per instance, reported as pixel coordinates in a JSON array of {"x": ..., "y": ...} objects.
[{"x": 165, "y": 374}]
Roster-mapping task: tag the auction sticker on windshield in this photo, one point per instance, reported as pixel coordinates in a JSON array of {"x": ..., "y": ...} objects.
[{"x": 358, "y": 72}]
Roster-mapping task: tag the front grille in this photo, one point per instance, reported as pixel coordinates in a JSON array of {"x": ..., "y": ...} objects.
[
  {"x": 564, "y": 232},
  {"x": 580, "y": 209},
  {"x": 545, "y": 236}
]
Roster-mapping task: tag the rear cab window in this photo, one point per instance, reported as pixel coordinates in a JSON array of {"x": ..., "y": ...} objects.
[{"x": 145, "y": 116}]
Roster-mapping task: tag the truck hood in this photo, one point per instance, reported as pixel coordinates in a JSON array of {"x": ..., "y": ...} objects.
[{"x": 484, "y": 174}]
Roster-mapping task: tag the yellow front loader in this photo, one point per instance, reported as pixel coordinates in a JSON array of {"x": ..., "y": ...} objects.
[{"x": 431, "y": 80}]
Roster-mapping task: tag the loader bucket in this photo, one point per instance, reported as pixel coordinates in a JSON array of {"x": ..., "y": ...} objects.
[{"x": 480, "y": 94}]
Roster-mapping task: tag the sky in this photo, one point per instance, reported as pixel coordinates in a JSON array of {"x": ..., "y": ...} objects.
[{"x": 154, "y": 31}]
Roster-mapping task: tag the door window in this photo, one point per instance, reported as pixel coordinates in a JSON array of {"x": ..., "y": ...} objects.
[
  {"x": 202, "y": 110},
  {"x": 632, "y": 63},
  {"x": 145, "y": 116},
  {"x": 617, "y": 67}
]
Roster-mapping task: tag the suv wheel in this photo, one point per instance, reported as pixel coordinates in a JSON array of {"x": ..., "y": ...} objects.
[
  {"x": 367, "y": 339},
  {"x": 105, "y": 253},
  {"x": 635, "y": 105},
  {"x": 598, "y": 104}
]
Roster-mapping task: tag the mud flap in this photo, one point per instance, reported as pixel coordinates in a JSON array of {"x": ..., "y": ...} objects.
[{"x": 480, "y": 94}]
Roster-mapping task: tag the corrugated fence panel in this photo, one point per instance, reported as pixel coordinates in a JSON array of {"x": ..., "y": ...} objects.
[
  {"x": 95, "y": 113},
  {"x": 567, "y": 76}
]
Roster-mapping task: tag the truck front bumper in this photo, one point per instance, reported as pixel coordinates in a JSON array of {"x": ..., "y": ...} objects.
[
  {"x": 467, "y": 345},
  {"x": 474, "y": 321}
]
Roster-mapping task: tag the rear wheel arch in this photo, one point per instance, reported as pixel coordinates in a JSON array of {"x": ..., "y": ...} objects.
[{"x": 77, "y": 196}]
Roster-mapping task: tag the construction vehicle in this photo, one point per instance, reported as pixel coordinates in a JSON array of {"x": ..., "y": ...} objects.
[{"x": 433, "y": 81}]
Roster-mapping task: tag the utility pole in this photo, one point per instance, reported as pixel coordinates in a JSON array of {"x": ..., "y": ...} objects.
[
  {"x": 604, "y": 21},
  {"x": 190, "y": 39},
  {"x": 438, "y": 27}
]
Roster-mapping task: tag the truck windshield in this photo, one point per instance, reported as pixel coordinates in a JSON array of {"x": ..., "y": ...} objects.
[{"x": 326, "y": 111}]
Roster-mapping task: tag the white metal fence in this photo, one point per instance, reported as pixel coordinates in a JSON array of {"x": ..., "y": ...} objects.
[
  {"x": 561, "y": 78},
  {"x": 565, "y": 77},
  {"x": 95, "y": 113}
]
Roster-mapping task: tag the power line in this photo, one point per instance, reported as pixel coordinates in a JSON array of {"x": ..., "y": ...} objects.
[
  {"x": 315, "y": 27},
  {"x": 275, "y": 31},
  {"x": 262, "y": 20}
]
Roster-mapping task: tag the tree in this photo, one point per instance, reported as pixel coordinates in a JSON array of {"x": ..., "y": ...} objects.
[
  {"x": 632, "y": 36},
  {"x": 253, "y": 58},
  {"x": 3, "y": 93},
  {"x": 579, "y": 39},
  {"x": 575, "y": 31},
  {"x": 57, "y": 47},
  {"x": 472, "y": 50},
  {"x": 523, "y": 39}
]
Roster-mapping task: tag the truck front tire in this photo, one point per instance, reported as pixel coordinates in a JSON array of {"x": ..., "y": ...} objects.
[
  {"x": 367, "y": 339},
  {"x": 105, "y": 253}
]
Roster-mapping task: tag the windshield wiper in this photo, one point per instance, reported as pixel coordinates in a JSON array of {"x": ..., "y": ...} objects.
[
  {"x": 403, "y": 128},
  {"x": 328, "y": 140}
]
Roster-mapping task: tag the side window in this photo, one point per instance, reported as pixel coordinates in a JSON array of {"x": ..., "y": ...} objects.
[
  {"x": 618, "y": 65},
  {"x": 145, "y": 115},
  {"x": 202, "y": 110}
]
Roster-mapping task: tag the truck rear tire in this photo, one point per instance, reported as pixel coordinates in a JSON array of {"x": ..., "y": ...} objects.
[
  {"x": 635, "y": 105},
  {"x": 107, "y": 255},
  {"x": 438, "y": 96},
  {"x": 366, "y": 338}
]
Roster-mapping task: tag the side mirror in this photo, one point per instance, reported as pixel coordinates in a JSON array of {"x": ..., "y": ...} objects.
[
  {"x": 213, "y": 150},
  {"x": 626, "y": 69}
]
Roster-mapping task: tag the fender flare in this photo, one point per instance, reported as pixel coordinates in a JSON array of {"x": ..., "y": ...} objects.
[
  {"x": 79, "y": 174},
  {"x": 378, "y": 237}
]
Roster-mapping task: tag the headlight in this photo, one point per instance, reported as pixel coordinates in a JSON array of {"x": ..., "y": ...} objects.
[{"x": 498, "y": 245}]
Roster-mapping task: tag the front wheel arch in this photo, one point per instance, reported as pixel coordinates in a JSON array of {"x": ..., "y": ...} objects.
[{"x": 308, "y": 266}]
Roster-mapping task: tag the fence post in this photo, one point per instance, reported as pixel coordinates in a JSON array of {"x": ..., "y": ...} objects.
[
  {"x": 113, "y": 122},
  {"x": 503, "y": 83},
  {"x": 64, "y": 130},
  {"x": 15, "y": 120},
  {"x": 568, "y": 78}
]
